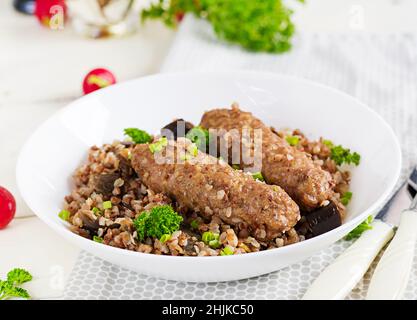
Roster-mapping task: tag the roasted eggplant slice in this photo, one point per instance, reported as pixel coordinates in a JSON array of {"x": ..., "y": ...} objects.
[
  {"x": 177, "y": 128},
  {"x": 323, "y": 219}
]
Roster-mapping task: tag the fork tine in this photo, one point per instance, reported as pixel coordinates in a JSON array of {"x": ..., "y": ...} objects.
[{"x": 412, "y": 183}]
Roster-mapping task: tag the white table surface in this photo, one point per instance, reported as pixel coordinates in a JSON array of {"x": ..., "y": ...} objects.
[{"x": 42, "y": 70}]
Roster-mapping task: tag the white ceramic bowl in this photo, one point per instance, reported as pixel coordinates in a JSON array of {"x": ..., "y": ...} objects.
[{"x": 50, "y": 156}]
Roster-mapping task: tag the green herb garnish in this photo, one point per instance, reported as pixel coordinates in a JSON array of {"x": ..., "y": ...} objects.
[
  {"x": 342, "y": 155},
  {"x": 346, "y": 197},
  {"x": 356, "y": 233},
  {"x": 191, "y": 152},
  {"x": 200, "y": 137},
  {"x": 194, "y": 224},
  {"x": 98, "y": 239},
  {"x": 159, "y": 221},
  {"x": 227, "y": 251},
  {"x": 107, "y": 205},
  {"x": 64, "y": 215},
  {"x": 18, "y": 276},
  {"x": 9, "y": 288},
  {"x": 255, "y": 25},
  {"x": 165, "y": 238},
  {"x": 258, "y": 176},
  {"x": 185, "y": 157},
  {"x": 209, "y": 236},
  {"x": 292, "y": 140},
  {"x": 158, "y": 145},
  {"x": 138, "y": 136},
  {"x": 236, "y": 166},
  {"x": 193, "y": 149},
  {"x": 96, "y": 211},
  {"x": 328, "y": 143},
  {"x": 215, "y": 244}
]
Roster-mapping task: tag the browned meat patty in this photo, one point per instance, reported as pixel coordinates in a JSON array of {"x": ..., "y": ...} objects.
[
  {"x": 211, "y": 187},
  {"x": 293, "y": 170}
]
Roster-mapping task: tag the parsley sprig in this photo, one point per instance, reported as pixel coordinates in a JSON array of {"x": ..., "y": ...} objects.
[
  {"x": 160, "y": 220},
  {"x": 342, "y": 155},
  {"x": 10, "y": 288},
  {"x": 138, "y": 135},
  {"x": 255, "y": 25}
]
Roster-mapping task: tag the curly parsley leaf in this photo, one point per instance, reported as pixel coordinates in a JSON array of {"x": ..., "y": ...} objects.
[
  {"x": 200, "y": 137},
  {"x": 342, "y": 155},
  {"x": 9, "y": 288},
  {"x": 138, "y": 136},
  {"x": 357, "y": 232},
  {"x": 159, "y": 221},
  {"x": 255, "y": 25},
  {"x": 18, "y": 276}
]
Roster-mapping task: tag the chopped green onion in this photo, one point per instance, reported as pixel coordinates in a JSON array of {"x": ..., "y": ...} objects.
[
  {"x": 236, "y": 166},
  {"x": 346, "y": 197},
  {"x": 275, "y": 188},
  {"x": 194, "y": 224},
  {"x": 138, "y": 136},
  {"x": 356, "y": 233},
  {"x": 258, "y": 176},
  {"x": 227, "y": 251},
  {"x": 98, "y": 239},
  {"x": 165, "y": 238},
  {"x": 107, "y": 205},
  {"x": 209, "y": 236},
  {"x": 96, "y": 211},
  {"x": 193, "y": 150},
  {"x": 215, "y": 244},
  {"x": 158, "y": 145},
  {"x": 292, "y": 140},
  {"x": 64, "y": 215}
]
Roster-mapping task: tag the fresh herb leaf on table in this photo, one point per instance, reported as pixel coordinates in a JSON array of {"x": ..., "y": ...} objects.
[
  {"x": 9, "y": 288},
  {"x": 255, "y": 25},
  {"x": 357, "y": 232}
]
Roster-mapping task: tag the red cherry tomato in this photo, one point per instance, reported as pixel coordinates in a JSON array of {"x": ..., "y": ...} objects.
[
  {"x": 97, "y": 79},
  {"x": 179, "y": 16},
  {"x": 51, "y": 13},
  {"x": 7, "y": 207}
]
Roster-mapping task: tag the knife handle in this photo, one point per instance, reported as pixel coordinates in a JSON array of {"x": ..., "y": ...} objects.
[
  {"x": 341, "y": 276},
  {"x": 391, "y": 275}
]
